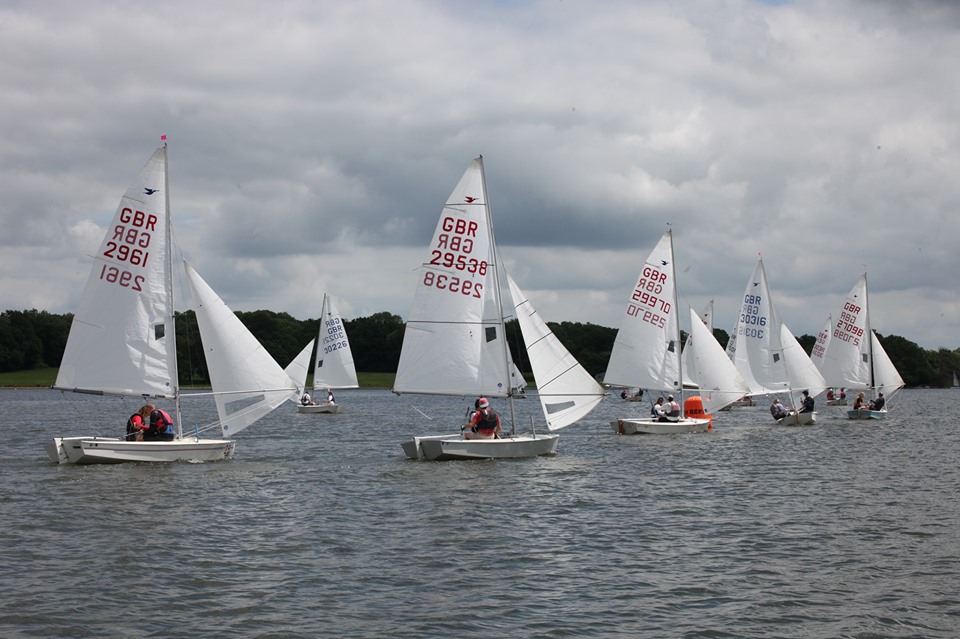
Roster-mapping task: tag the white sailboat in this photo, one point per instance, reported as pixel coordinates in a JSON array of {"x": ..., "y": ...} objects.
[
  {"x": 333, "y": 366},
  {"x": 855, "y": 358},
  {"x": 720, "y": 383},
  {"x": 646, "y": 351},
  {"x": 122, "y": 341},
  {"x": 835, "y": 396},
  {"x": 767, "y": 354},
  {"x": 454, "y": 343}
]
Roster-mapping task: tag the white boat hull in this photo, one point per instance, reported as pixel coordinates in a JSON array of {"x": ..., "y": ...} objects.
[
  {"x": 106, "y": 450},
  {"x": 865, "y": 413},
  {"x": 836, "y": 402},
  {"x": 449, "y": 447},
  {"x": 654, "y": 427},
  {"x": 320, "y": 408},
  {"x": 799, "y": 419}
]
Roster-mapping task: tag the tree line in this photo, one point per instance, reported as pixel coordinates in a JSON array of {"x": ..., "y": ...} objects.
[{"x": 36, "y": 339}]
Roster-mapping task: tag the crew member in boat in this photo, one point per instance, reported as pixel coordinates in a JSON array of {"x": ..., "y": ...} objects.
[
  {"x": 843, "y": 393},
  {"x": 306, "y": 400},
  {"x": 161, "y": 426},
  {"x": 138, "y": 422},
  {"x": 330, "y": 398},
  {"x": 777, "y": 410},
  {"x": 672, "y": 408},
  {"x": 484, "y": 423},
  {"x": 878, "y": 403},
  {"x": 658, "y": 410},
  {"x": 859, "y": 402},
  {"x": 806, "y": 404},
  {"x": 830, "y": 395}
]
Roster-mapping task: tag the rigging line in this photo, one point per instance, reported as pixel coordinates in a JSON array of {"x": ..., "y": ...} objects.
[{"x": 558, "y": 376}]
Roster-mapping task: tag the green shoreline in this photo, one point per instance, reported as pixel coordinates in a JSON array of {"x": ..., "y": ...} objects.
[{"x": 45, "y": 378}]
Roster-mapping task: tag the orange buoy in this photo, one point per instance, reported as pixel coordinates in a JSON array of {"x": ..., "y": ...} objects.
[{"x": 693, "y": 407}]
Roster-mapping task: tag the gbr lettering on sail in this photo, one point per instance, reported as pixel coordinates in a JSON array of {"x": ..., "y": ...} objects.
[
  {"x": 125, "y": 253},
  {"x": 453, "y": 251}
]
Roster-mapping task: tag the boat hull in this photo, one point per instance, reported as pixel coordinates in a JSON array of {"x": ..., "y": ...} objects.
[
  {"x": 106, "y": 450},
  {"x": 654, "y": 427},
  {"x": 332, "y": 409},
  {"x": 836, "y": 402},
  {"x": 450, "y": 447},
  {"x": 799, "y": 419},
  {"x": 865, "y": 413}
]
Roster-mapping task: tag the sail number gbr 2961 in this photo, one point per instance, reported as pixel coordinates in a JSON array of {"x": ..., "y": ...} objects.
[
  {"x": 128, "y": 245},
  {"x": 452, "y": 251}
]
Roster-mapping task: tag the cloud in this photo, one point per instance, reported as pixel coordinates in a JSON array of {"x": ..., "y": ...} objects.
[{"x": 313, "y": 144}]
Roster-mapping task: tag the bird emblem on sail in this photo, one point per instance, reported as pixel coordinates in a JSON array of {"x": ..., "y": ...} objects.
[
  {"x": 470, "y": 199},
  {"x": 149, "y": 191},
  {"x": 663, "y": 262}
]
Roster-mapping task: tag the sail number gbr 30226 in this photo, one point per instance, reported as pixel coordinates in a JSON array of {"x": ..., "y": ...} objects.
[
  {"x": 452, "y": 251},
  {"x": 128, "y": 248}
]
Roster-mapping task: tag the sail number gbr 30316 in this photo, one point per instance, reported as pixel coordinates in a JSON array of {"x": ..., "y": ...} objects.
[
  {"x": 645, "y": 302},
  {"x": 751, "y": 321},
  {"x": 128, "y": 247},
  {"x": 452, "y": 251}
]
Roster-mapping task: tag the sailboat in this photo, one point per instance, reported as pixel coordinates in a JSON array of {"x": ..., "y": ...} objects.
[
  {"x": 333, "y": 366},
  {"x": 646, "y": 351},
  {"x": 122, "y": 341},
  {"x": 454, "y": 343},
  {"x": 768, "y": 355},
  {"x": 835, "y": 396},
  {"x": 855, "y": 358}
]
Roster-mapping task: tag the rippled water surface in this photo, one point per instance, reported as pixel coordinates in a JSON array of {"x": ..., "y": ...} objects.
[{"x": 319, "y": 527}]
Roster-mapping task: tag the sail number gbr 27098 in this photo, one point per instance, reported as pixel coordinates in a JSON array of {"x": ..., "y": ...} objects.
[
  {"x": 452, "y": 251},
  {"x": 128, "y": 246}
]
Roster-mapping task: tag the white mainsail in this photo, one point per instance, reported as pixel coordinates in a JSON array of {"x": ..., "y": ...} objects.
[
  {"x": 453, "y": 342},
  {"x": 567, "y": 391},
  {"x": 646, "y": 351},
  {"x": 710, "y": 369},
  {"x": 247, "y": 382},
  {"x": 820, "y": 347},
  {"x": 768, "y": 356},
  {"x": 122, "y": 337},
  {"x": 333, "y": 367}
]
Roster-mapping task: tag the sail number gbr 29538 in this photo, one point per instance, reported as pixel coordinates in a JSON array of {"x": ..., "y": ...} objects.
[{"x": 452, "y": 251}]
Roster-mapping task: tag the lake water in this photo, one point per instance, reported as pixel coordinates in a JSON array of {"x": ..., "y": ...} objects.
[{"x": 320, "y": 527}]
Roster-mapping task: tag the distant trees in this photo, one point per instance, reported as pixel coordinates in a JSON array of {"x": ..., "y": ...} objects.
[{"x": 33, "y": 339}]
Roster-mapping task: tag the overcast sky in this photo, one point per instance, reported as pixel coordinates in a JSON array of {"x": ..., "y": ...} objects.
[{"x": 312, "y": 145}]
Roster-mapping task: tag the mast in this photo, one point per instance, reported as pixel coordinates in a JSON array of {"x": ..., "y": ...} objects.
[
  {"x": 498, "y": 296},
  {"x": 676, "y": 321},
  {"x": 168, "y": 285},
  {"x": 868, "y": 335}
]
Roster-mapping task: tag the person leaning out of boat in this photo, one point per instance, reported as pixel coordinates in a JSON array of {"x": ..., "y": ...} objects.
[
  {"x": 161, "y": 426},
  {"x": 806, "y": 404},
  {"x": 484, "y": 422},
  {"x": 777, "y": 410},
  {"x": 138, "y": 423},
  {"x": 859, "y": 402},
  {"x": 878, "y": 403}
]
